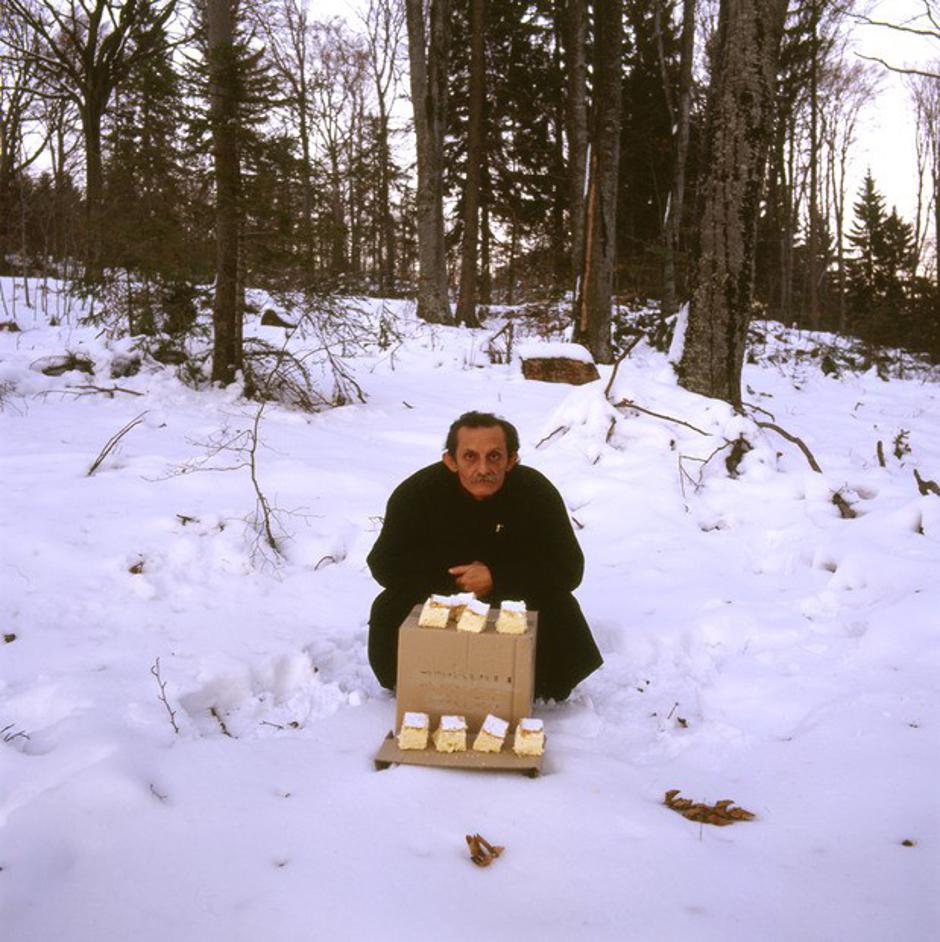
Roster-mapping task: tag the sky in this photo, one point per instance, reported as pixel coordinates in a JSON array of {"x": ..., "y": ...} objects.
[{"x": 887, "y": 134}]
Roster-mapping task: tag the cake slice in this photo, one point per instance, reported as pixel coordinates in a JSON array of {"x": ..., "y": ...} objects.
[
  {"x": 459, "y": 602},
  {"x": 451, "y": 735},
  {"x": 435, "y": 613},
  {"x": 474, "y": 616},
  {"x": 492, "y": 735},
  {"x": 512, "y": 618},
  {"x": 414, "y": 731},
  {"x": 530, "y": 738}
]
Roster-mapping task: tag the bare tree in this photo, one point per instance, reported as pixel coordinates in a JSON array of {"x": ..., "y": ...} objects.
[
  {"x": 738, "y": 124},
  {"x": 287, "y": 34},
  {"x": 845, "y": 89},
  {"x": 681, "y": 120},
  {"x": 384, "y": 27},
  {"x": 339, "y": 60},
  {"x": 925, "y": 94},
  {"x": 83, "y": 50},
  {"x": 427, "y": 54},
  {"x": 467, "y": 299},
  {"x": 19, "y": 114},
  {"x": 595, "y": 294},
  {"x": 575, "y": 31}
]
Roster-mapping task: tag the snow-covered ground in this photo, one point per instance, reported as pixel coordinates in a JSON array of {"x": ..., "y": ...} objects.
[{"x": 758, "y": 647}]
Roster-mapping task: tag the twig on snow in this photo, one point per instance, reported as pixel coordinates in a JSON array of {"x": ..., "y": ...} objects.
[
  {"x": 161, "y": 683},
  {"x": 112, "y": 442}
]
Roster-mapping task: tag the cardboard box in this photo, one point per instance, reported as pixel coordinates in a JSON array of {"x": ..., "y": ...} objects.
[
  {"x": 442, "y": 670},
  {"x": 445, "y": 671}
]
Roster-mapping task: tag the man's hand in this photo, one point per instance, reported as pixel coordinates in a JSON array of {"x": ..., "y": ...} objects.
[{"x": 475, "y": 577}]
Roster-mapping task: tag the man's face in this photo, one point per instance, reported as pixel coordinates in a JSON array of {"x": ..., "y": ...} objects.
[{"x": 481, "y": 461}]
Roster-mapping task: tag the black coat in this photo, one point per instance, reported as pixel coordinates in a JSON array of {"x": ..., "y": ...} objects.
[{"x": 522, "y": 533}]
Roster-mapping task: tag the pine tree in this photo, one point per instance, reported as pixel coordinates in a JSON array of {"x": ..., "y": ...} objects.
[
  {"x": 881, "y": 268},
  {"x": 144, "y": 181}
]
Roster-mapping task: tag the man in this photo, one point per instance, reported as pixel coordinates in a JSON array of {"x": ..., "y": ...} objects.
[{"x": 478, "y": 521}]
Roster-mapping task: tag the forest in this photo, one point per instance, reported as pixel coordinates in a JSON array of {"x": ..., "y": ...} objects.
[{"x": 161, "y": 156}]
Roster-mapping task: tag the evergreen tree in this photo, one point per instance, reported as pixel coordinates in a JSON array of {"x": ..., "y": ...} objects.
[
  {"x": 144, "y": 181},
  {"x": 881, "y": 269}
]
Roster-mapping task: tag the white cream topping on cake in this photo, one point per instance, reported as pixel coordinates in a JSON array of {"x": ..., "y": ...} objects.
[
  {"x": 474, "y": 616},
  {"x": 435, "y": 613},
  {"x": 495, "y": 726},
  {"x": 492, "y": 735},
  {"x": 414, "y": 731},
  {"x": 530, "y": 737},
  {"x": 512, "y": 618},
  {"x": 451, "y": 734}
]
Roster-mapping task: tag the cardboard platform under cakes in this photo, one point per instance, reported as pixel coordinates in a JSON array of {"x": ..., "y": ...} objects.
[
  {"x": 444, "y": 671},
  {"x": 504, "y": 761}
]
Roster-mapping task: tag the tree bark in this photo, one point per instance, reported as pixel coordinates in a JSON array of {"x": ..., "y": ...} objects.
[
  {"x": 813, "y": 240},
  {"x": 738, "y": 123},
  {"x": 467, "y": 299},
  {"x": 683, "y": 124},
  {"x": 576, "y": 118},
  {"x": 593, "y": 308},
  {"x": 223, "y": 114},
  {"x": 427, "y": 52}
]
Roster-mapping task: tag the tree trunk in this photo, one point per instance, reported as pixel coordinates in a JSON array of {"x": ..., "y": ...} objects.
[
  {"x": 427, "y": 52},
  {"x": 467, "y": 299},
  {"x": 813, "y": 241},
  {"x": 223, "y": 113},
  {"x": 683, "y": 125},
  {"x": 576, "y": 116},
  {"x": 91, "y": 133},
  {"x": 738, "y": 124},
  {"x": 593, "y": 308}
]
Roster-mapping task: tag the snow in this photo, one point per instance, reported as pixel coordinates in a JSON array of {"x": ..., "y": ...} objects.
[
  {"x": 543, "y": 349},
  {"x": 757, "y": 646}
]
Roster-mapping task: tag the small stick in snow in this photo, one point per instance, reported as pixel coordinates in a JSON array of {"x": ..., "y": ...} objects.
[
  {"x": 217, "y": 717},
  {"x": 620, "y": 359},
  {"x": 925, "y": 485},
  {"x": 112, "y": 441},
  {"x": 161, "y": 683},
  {"x": 561, "y": 428}
]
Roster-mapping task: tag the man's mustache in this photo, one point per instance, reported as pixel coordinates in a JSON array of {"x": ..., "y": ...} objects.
[{"x": 490, "y": 478}]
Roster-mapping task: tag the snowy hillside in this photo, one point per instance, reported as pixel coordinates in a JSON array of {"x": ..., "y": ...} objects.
[{"x": 759, "y": 647}]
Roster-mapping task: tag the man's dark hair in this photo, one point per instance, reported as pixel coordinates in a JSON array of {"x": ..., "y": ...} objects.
[{"x": 482, "y": 420}]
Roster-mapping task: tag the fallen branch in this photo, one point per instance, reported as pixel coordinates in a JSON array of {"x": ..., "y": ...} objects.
[
  {"x": 880, "y": 453},
  {"x": 561, "y": 428},
  {"x": 88, "y": 389},
  {"x": 112, "y": 442},
  {"x": 629, "y": 404},
  {"x": 813, "y": 463}
]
